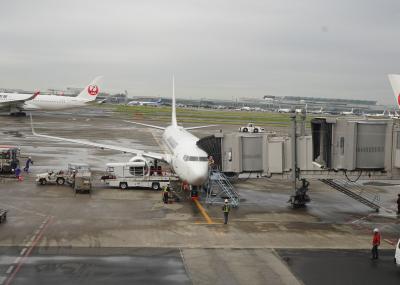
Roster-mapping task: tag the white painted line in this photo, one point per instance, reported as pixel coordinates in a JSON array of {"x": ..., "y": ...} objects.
[
  {"x": 17, "y": 260},
  {"x": 389, "y": 241},
  {"x": 23, "y": 251},
  {"x": 2, "y": 279},
  {"x": 28, "y": 244},
  {"x": 37, "y": 232},
  {"x": 41, "y": 226},
  {"x": 10, "y": 269},
  {"x": 32, "y": 239}
]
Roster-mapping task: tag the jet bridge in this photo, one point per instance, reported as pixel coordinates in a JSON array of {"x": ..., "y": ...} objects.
[
  {"x": 351, "y": 146},
  {"x": 261, "y": 154}
]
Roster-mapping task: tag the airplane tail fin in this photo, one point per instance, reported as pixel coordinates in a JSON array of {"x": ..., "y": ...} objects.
[
  {"x": 395, "y": 82},
  {"x": 90, "y": 92},
  {"x": 173, "y": 119}
]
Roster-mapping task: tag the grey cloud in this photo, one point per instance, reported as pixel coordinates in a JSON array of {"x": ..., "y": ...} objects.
[{"x": 217, "y": 49}]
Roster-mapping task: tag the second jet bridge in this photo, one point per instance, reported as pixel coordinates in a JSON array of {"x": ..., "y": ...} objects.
[{"x": 352, "y": 144}]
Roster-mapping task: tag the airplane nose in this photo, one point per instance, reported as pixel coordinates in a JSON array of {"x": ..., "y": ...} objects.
[{"x": 199, "y": 176}]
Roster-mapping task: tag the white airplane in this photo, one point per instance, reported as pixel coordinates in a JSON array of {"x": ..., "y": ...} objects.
[
  {"x": 246, "y": 108},
  {"x": 383, "y": 114},
  {"x": 300, "y": 110},
  {"x": 10, "y": 101},
  {"x": 145, "y": 103},
  {"x": 187, "y": 160},
  {"x": 284, "y": 110},
  {"x": 17, "y": 103},
  {"x": 320, "y": 111},
  {"x": 348, "y": 112}
]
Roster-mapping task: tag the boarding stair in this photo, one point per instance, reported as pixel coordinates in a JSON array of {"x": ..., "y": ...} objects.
[
  {"x": 355, "y": 191},
  {"x": 220, "y": 188}
]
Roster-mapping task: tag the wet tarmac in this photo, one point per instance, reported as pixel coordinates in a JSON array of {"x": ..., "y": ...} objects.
[
  {"x": 96, "y": 266},
  {"x": 74, "y": 237},
  {"x": 345, "y": 267}
]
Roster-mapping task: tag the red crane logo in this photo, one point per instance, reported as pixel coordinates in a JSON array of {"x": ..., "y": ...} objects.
[{"x": 93, "y": 90}]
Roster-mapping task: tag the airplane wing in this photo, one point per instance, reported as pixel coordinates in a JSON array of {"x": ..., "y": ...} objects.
[
  {"x": 154, "y": 155},
  {"x": 200, "y": 127},
  {"x": 146, "y": 125},
  {"x": 21, "y": 99}
]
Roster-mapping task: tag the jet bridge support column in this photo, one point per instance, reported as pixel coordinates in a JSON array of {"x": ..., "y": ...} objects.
[
  {"x": 293, "y": 147},
  {"x": 299, "y": 197}
]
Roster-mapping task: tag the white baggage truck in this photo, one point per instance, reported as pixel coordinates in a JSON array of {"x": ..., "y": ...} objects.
[{"x": 135, "y": 174}]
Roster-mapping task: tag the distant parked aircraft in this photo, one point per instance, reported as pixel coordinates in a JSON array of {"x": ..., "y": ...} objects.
[
  {"x": 320, "y": 111},
  {"x": 17, "y": 103},
  {"x": 348, "y": 112},
  {"x": 145, "y": 103},
  {"x": 284, "y": 110}
]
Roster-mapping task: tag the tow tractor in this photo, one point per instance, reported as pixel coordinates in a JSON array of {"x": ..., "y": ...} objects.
[
  {"x": 135, "y": 174},
  {"x": 251, "y": 128},
  {"x": 51, "y": 177}
]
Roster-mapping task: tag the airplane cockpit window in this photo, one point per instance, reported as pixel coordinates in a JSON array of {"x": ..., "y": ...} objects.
[{"x": 195, "y": 158}]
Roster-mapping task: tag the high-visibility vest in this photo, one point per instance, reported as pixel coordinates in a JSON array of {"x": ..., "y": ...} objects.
[{"x": 226, "y": 208}]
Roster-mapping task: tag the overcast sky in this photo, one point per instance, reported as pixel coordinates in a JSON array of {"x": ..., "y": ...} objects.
[{"x": 216, "y": 49}]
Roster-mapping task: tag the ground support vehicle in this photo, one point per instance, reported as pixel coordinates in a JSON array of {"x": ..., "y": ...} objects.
[
  {"x": 3, "y": 215},
  {"x": 52, "y": 177},
  {"x": 251, "y": 128},
  {"x": 9, "y": 158},
  {"x": 79, "y": 177},
  {"x": 135, "y": 174},
  {"x": 397, "y": 254}
]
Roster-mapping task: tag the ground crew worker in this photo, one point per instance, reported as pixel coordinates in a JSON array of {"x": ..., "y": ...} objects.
[
  {"x": 17, "y": 172},
  {"x": 226, "y": 208},
  {"x": 376, "y": 241},
  {"x": 165, "y": 194},
  {"x": 398, "y": 204},
  {"x": 27, "y": 164},
  {"x": 211, "y": 161}
]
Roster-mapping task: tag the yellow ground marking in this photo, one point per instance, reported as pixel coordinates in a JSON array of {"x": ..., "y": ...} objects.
[{"x": 203, "y": 212}]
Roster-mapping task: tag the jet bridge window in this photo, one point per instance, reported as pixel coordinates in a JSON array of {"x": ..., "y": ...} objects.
[{"x": 342, "y": 145}]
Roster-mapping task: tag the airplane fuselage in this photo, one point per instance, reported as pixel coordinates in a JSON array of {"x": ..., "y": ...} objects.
[
  {"x": 188, "y": 161},
  {"x": 52, "y": 102}
]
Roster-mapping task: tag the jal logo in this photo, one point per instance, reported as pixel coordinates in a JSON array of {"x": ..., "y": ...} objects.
[
  {"x": 93, "y": 90},
  {"x": 398, "y": 99}
]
